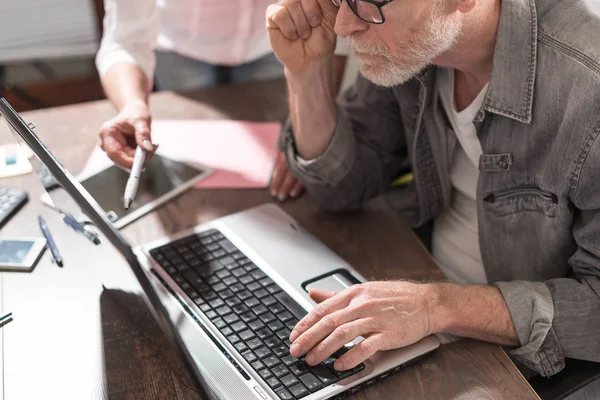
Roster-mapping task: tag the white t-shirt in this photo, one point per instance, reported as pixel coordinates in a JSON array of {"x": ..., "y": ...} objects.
[
  {"x": 222, "y": 32},
  {"x": 455, "y": 239}
]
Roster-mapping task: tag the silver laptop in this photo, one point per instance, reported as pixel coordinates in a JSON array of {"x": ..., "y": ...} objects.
[{"x": 228, "y": 293}]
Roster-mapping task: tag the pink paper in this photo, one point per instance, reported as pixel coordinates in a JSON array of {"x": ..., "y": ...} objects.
[{"x": 242, "y": 154}]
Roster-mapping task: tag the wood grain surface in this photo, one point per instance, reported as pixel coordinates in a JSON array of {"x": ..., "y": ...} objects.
[{"x": 83, "y": 331}]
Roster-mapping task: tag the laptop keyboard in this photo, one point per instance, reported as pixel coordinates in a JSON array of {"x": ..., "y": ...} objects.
[{"x": 249, "y": 309}]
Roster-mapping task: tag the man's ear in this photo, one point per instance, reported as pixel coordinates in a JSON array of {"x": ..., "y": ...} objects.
[{"x": 464, "y": 6}]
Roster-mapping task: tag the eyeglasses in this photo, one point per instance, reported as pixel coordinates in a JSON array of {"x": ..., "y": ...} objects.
[{"x": 366, "y": 10}]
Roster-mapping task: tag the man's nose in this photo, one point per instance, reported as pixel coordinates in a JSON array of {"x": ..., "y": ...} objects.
[{"x": 346, "y": 23}]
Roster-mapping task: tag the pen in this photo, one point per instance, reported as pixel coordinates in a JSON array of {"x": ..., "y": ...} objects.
[
  {"x": 50, "y": 241},
  {"x": 79, "y": 227},
  {"x": 6, "y": 316},
  {"x": 134, "y": 177}
]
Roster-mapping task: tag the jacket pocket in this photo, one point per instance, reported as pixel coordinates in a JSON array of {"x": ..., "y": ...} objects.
[{"x": 521, "y": 199}]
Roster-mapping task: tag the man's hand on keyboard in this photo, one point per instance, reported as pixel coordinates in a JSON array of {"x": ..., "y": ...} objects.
[{"x": 388, "y": 315}]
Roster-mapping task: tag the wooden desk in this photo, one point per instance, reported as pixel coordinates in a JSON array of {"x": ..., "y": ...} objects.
[{"x": 71, "y": 340}]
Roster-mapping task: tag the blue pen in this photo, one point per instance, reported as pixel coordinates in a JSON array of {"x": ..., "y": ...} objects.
[
  {"x": 79, "y": 227},
  {"x": 51, "y": 245}
]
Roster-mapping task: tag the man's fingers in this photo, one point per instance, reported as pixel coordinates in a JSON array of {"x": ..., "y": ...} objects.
[
  {"x": 332, "y": 304},
  {"x": 278, "y": 17},
  {"x": 278, "y": 175},
  {"x": 361, "y": 352},
  {"x": 312, "y": 11},
  {"x": 319, "y": 331},
  {"x": 339, "y": 337},
  {"x": 320, "y": 295},
  {"x": 297, "y": 13}
]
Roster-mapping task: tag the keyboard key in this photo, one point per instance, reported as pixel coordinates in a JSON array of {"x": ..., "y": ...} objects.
[
  {"x": 266, "y": 281},
  {"x": 281, "y": 350},
  {"x": 224, "y": 310},
  {"x": 246, "y": 335},
  {"x": 289, "y": 380},
  {"x": 258, "y": 365},
  {"x": 223, "y": 273},
  {"x": 271, "y": 361},
  {"x": 205, "y": 308},
  {"x": 231, "y": 318},
  {"x": 268, "y": 301},
  {"x": 238, "y": 272},
  {"x": 263, "y": 352},
  {"x": 256, "y": 325},
  {"x": 238, "y": 287},
  {"x": 213, "y": 280},
  {"x": 324, "y": 374},
  {"x": 275, "y": 326},
  {"x": 291, "y": 305},
  {"x": 227, "y": 330},
  {"x": 300, "y": 368},
  {"x": 280, "y": 370},
  {"x": 252, "y": 302},
  {"x": 246, "y": 279},
  {"x": 237, "y": 255},
  {"x": 285, "y": 395},
  {"x": 260, "y": 310},
  {"x": 254, "y": 343},
  {"x": 233, "y": 339},
  {"x": 291, "y": 323},
  {"x": 299, "y": 390},
  {"x": 277, "y": 308},
  {"x": 216, "y": 303},
  {"x": 240, "y": 308},
  {"x": 273, "y": 383},
  {"x": 253, "y": 286},
  {"x": 285, "y": 316},
  {"x": 226, "y": 261},
  {"x": 258, "y": 274},
  {"x": 230, "y": 280},
  {"x": 241, "y": 346},
  {"x": 244, "y": 294},
  {"x": 218, "y": 286},
  {"x": 272, "y": 342},
  {"x": 311, "y": 382},
  {"x": 265, "y": 374},
  {"x": 267, "y": 317},
  {"x": 233, "y": 301},
  {"x": 219, "y": 323},
  {"x": 261, "y": 293},
  {"x": 219, "y": 253},
  {"x": 249, "y": 267},
  {"x": 239, "y": 326},
  {"x": 290, "y": 360},
  {"x": 211, "y": 314},
  {"x": 283, "y": 334},
  {"x": 225, "y": 294},
  {"x": 250, "y": 357},
  {"x": 248, "y": 316},
  {"x": 264, "y": 333},
  {"x": 227, "y": 246}
]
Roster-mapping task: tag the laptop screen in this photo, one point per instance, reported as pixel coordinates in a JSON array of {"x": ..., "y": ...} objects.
[{"x": 44, "y": 162}]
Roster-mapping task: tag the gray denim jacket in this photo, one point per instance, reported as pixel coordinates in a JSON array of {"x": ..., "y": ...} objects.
[{"x": 538, "y": 192}]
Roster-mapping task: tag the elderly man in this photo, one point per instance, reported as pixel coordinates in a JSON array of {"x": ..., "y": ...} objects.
[{"x": 496, "y": 107}]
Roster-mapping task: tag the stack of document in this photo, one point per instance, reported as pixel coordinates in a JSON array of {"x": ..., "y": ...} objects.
[{"x": 42, "y": 29}]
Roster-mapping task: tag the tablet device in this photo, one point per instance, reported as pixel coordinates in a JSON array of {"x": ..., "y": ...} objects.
[
  {"x": 161, "y": 180},
  {"x": 20, "y": 253}
]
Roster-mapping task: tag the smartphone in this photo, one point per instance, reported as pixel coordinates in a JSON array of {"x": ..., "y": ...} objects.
[{"x": 20, "y": 254}]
